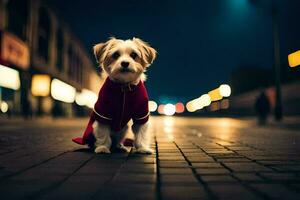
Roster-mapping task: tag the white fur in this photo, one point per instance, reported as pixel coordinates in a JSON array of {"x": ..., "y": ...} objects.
[
  {"x": 142, "y": 138},
  {"x": 111, "y": 64}
]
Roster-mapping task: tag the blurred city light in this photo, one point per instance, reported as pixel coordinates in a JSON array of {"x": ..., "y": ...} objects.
[
  {"x": 294, "y": 59},
  {"x": 9, "y": 78},
  {"x": 86, "y": 98},
  {"x": 3, "y": 107},
  {"x": 169, "y": 127},
  {"x": 225, "y": 90},
  {"x": 191, "y": 106},
  {"x": 160, "y": 109},
  {"x": 214, "y": 106},
  {"x": 205, "y": 100},
  {"x": 215, "y": 95},
  {"x": 169, "y": 109},
  {"x": 152, "y": 106},
  {"x": 225, "y": 104},
  {"x": 40, "y": 85},
  {"x": 62, "y": 91},
  {"x": 179, "y": 107}
]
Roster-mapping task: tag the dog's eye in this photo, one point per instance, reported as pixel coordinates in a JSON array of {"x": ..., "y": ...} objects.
[
  {"x": 133, "y": 55},
  {"x": 116, "y": 55}
]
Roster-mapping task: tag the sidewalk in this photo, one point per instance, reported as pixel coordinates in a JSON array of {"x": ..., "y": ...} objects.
[{"x": 193, "y": 160}]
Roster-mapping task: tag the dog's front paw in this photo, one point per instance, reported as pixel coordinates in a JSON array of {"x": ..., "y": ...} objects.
[
  {"x": 143, "y": 150},
  {"x": 102, "y": 149}
]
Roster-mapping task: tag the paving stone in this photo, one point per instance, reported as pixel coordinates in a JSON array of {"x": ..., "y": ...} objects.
[
  {"x": 175, "y": 171},
  {"x": 201, "y": 159},
  {"x": 217, "y": 178},
  {"x": 247, "y": 177},
  {"x": 173, "y": 164},
  {"x": 128, "y": 191},
  {"x": 276, "y": 191},
  {"x": 247, "y": 167},
  {"x": 214, "y": 171},
  {"x": 232, "y": 191},
  {"x": 183, "y": 192},
  {"x": 169, "y": 179},
  {"x": 280, "y": 176},
  {"x": 135, "y": 178},
  {"x": 207, "y": 165},
  {"x": 233, "y": 160}
]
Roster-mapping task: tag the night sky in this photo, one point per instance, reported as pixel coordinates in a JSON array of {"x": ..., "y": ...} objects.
[{"x": 199, "y": 42}]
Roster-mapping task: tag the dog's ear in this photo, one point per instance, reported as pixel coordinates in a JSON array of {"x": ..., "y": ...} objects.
[
  {"x": 148, "y": 53},
  {"x": 101, "y": 49}
]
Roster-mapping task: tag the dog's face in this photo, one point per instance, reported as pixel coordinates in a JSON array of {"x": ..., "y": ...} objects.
[{"x": 124, "y": 60}]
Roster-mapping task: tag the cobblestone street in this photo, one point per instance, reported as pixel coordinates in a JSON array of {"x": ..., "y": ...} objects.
[{"x": 205, "y": 158}]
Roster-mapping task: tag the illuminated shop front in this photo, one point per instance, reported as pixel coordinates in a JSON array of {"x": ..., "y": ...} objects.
[
  {"x": 45, "y": 71},
  {"x": 14, "y": 64}
]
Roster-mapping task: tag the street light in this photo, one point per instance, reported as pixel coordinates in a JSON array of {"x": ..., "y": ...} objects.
[
  {"x": 276, "y": 40},
  {"x": 294, "y": 59}
]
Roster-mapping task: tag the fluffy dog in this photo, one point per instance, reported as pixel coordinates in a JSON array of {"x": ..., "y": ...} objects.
[{"x": 122, "y": 97}]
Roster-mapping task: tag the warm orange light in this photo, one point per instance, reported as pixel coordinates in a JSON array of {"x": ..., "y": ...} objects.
[
  {"x": 40, "y": 85},
  {"x": 294, "y": 59},
  {"x": 215, "y": 95},
  {"x": 179, "y": 107},
  {"x": 160, "y": 109}
]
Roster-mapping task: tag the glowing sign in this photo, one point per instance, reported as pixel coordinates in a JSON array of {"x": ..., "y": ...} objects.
[
  {"x": 9, "y": 78},
  {"x": 62, "y": 91},
  {"x": 40, "y": 85}
]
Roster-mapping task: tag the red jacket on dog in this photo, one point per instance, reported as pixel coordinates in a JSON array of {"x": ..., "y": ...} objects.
[{"x": 117, "y": 104}]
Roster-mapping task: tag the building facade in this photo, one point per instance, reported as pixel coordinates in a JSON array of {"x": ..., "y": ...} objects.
[{"x": 50, "y": 66}]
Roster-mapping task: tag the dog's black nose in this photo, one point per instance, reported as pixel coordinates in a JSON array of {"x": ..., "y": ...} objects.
[{"x": 125, "y": 64}]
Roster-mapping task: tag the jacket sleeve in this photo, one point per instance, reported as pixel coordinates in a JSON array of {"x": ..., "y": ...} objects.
[
  {"x": 102, "y": 109},
  {"x": 141, "y": 114}
]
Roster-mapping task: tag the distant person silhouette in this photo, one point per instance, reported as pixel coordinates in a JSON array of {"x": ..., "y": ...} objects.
[{"x": 262, "y": 108}]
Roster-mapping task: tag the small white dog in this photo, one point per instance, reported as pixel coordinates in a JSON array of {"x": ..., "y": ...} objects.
[{"x": 122, "y": 97}]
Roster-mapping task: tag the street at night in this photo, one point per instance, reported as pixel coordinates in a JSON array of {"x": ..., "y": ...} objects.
[
  {"x": 149, "y": 99},
  {"x": 195, "y": 158}
]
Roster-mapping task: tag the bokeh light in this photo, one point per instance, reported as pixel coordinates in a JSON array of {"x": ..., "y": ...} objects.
[
  {"x": 9, "y": 78},
  {"x": 62, "y": 91},
  {"x": 169, "y": 109},
  {"x": 179, "y": 107},
  {"x": 86, "y": 98},
  {"x": 152, "y": 106},
  {"x": 294, "y": 59},
  {"x": 225, "y": 90},
  {"x": 40, "y": 85},
  {"x": 3, "y": 107},
  {"x": 160, "y": 109}
]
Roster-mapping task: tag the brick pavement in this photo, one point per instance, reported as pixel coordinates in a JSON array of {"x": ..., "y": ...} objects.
[{"x": 193, "y": 160}]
